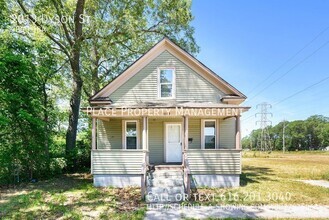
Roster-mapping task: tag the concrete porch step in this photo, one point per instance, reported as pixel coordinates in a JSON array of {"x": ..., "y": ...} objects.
[
  {"x": 167, "y": 182},
  {"x": 166, "y": 174}
]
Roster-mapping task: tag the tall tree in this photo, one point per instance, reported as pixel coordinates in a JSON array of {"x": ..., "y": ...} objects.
[
  {"x": 68, "y": 39},
  {"x": 21, "y": 120},
  {"x": 105, "y": 36}
]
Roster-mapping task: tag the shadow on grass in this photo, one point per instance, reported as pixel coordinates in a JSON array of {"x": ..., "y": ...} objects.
[
  {"x": 69, "y": 196},
  {"x": 252, "y": 174}
]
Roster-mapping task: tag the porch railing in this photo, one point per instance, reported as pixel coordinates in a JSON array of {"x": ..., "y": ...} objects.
[
  {"x": 187, "y": 177},
  {"x": 116, "y": 161},
  {"x": 144, "y": 174},
  {"x": 121, "y": 162},
  {"x": 214, "y": 161}
]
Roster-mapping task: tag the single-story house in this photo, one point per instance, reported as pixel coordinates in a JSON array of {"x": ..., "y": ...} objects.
[{"x": 167, "y": 112}]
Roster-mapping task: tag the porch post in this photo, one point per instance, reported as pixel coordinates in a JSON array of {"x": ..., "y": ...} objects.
[
  {"x": 185, "y": 146},
  {"x": 146, "y": 156},
  {"x": 237, "y": 133},
  {"x": 145, "y": 136},
  {"x": 93, "y": 134}
]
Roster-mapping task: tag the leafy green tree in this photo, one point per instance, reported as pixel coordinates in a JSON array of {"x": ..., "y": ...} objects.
[
  {"x": 68, "y": 38},
  {"x": 22, "y": 152},
  {"x": 98, "y": 39},
  {"x": 315, "y": 125},
  {"x": 309, "y": 134},
  {"x": 324, "y": 135}
]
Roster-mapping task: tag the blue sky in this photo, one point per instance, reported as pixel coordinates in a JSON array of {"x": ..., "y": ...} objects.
[{"x": 244, "y": 41}]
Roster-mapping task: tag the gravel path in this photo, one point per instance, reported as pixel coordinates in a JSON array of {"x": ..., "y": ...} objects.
[
  {"x": 322, "y": 183},
  {"x": 203, "y": 212}
]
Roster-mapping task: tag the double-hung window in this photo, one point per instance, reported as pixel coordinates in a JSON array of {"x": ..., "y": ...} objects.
[
  {"x": 208, "y": 133},
  {"x": 167, "y": 81},
  {"x": 131, "y": 134}
]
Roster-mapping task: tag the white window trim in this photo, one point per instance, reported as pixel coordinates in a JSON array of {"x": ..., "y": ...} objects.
[
  {"x": 124, "y": 137},
  {"x": 203, "y": 122},
  {"x": 173, "y": 83}
]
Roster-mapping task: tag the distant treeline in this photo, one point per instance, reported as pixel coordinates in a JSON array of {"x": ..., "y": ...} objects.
[{"x": 309, "y": 134}]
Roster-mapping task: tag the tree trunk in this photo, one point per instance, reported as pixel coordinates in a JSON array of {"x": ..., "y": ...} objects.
[
  {"x": 45, "y": 119},
  {"x": 95, "y": 81},
  {"x": 73, "y": 54},
  {"x": 71, "y": 134},
  {"x": 94, "y": 75}
]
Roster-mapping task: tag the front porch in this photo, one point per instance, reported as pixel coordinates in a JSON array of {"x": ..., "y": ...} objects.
[
  {"x": 207, "y": 148},
  {"x": 166, "y": 138}
]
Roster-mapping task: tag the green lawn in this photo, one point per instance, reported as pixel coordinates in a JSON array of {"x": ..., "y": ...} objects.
[
  {"x": 266, "y": 179},
  {"x": 274, "y": 179},
  {"x": 70, "y": 197}
]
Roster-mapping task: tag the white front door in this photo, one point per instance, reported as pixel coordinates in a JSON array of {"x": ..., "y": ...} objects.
[{"x": 173, "y": 143}]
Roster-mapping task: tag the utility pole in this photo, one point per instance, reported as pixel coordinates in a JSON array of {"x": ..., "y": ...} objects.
[
  {"x": 250, "y": 142},
  {"x": 264, "y": 142},
  {"x": 283, "y": 136}
]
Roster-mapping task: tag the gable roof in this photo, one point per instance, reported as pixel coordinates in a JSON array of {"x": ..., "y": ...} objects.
[{"x": 182, "y": 55}]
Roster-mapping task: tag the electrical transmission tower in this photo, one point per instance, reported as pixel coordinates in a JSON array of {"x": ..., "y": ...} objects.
[{"x": 264, "y": 140}]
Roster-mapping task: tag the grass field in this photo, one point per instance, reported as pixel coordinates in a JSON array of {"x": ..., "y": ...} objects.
[
  {"x": 275, "y": 179},
  {"x": 266, "y": 179}
]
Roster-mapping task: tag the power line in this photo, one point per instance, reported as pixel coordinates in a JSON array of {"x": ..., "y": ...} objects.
[
  {"x": 246, "y": 119},
  {"x": 294, "y": 94},
  {"x": 310, "y": 99},
  {"x": 307, "y": 110},
  {"x": 296, "y": 65},
  {"x": 300, "y": 91},
  {"x": 290, "y": 58},
  {"x": 283, "y": 136}
]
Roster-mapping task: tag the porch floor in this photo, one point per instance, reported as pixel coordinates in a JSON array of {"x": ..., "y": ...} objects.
[{"x": 167, "y": 164}]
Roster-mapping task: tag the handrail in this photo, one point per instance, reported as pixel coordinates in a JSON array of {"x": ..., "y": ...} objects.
[
  {"x": 119, "y": 150},
  {"x": 144, "y": 174},
  {"x": 187, "y": 172},
  {"x": 214, "y": 150}
]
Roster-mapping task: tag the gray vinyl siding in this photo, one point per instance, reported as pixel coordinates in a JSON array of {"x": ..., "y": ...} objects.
[
  {"x": 143, "y": 86},
  {"x": 116, "y": 161},
  {"x": 156, "y": 143},
  {"x": 194, "y": 129},
  {"x": 109, "y": 134},
  {"x": 156, "y": 139},
  {"x": 214, "y": 161},
  {"x": 227, "y": 133}
]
